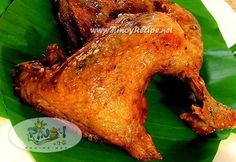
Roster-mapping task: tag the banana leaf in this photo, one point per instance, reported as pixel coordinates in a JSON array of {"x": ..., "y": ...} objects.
[
  {"x": 3, "y": 5},
  {"x": 3, "y": 112},
  {"x": 28, "y": 27},
  {"x": 233, "y": 48}
]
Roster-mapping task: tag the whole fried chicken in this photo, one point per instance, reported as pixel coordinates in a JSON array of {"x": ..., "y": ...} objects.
[{"x": 101, "y": 88}]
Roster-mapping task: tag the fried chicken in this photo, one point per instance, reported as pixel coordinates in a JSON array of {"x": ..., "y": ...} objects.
[
  {"x": 78, "y": 17},
  {"x": 87, "y": 15},
  {"x": 101, "y": 88}
]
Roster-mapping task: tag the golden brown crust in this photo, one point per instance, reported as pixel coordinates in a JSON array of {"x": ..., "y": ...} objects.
[
  {"x": 101, "y": 87},
  {"x": 83, "y": 15},
  {"x": 212, "y": 115}
]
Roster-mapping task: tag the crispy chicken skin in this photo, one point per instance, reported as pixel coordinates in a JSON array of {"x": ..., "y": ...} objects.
[
  {"x": 78, "y": 17},
  {"x": 88, "y": 14},
  {"x": 102, "y": 86}
]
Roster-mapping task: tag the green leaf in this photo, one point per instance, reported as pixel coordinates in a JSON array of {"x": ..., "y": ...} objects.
[
  {"x": 233, "y": 49},
  {"x": 3, "y": 5},
  {"x": 234, "y": 131},
  {"x": 28, "y": 27},
  {"x": 3, "y": 112}
]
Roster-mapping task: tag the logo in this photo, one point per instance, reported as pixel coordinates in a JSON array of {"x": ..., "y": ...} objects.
[{"x": 45, "y": 135}]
